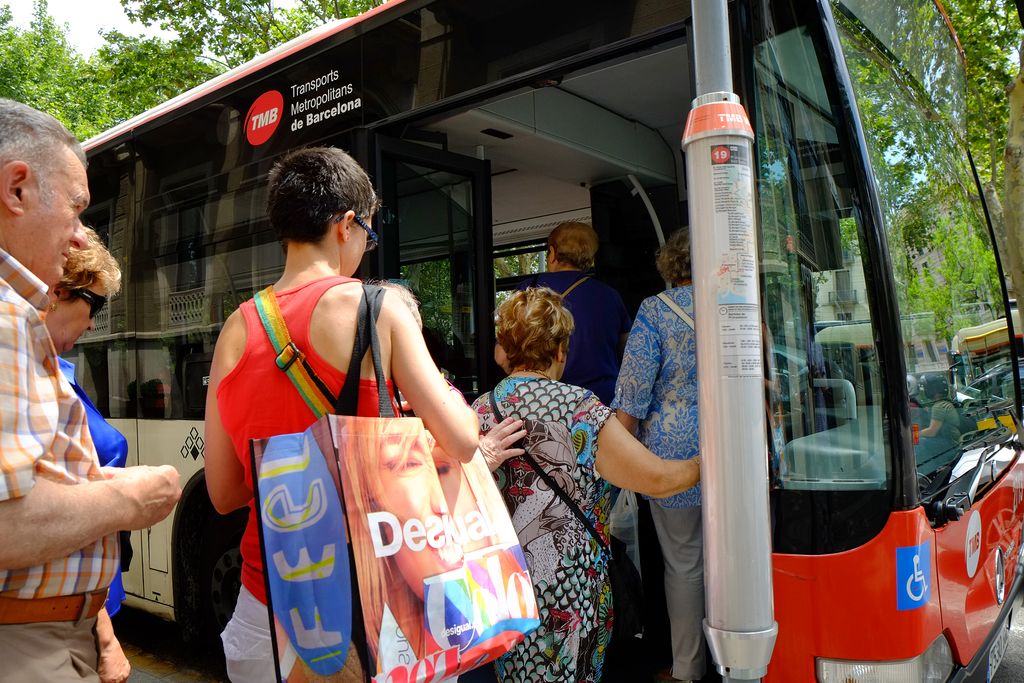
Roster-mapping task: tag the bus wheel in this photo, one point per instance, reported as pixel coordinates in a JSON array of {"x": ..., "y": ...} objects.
[
  {"x": 225, "y": 582},
  {"x": 221, "y": 570}
]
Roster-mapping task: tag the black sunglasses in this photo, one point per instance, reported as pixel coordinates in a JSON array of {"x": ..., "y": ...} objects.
[
  {"x": 371, "y": 242},
  {"x": 95, "y": 301},
  {"x": 371, "y": 236}
]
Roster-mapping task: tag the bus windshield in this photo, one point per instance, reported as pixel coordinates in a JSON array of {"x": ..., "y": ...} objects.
[
  {"x": 831, "y": 456},
  {"x": 832, "y": 434},
  {"x": 910, "y": 90}
]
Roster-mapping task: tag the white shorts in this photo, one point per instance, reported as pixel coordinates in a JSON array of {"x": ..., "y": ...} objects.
[{"x": 248, "y": 650}]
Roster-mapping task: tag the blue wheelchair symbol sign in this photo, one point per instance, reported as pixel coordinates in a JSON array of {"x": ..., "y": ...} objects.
[{"x": 913, "y": 576}]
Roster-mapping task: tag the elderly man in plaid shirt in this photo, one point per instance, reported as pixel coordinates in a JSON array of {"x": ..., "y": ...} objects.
[{"x": 59, "y": 511}]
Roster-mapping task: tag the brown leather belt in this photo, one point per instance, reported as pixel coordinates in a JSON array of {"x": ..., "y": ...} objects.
[{"x": 65, "y": 608}]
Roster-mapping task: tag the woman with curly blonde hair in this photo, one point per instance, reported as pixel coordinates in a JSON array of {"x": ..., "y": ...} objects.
[
  {"x": 570, "y": 435},
  {"x": 91, "y": 276}
]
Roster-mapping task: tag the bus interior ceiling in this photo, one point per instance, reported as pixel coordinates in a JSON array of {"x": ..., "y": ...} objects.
[{"x": 578, "y": 147}]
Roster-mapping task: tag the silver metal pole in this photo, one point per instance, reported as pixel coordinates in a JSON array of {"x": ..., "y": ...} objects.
[
  {"x": 718, "y": 141},
  {"x": 712, "y": 62}
]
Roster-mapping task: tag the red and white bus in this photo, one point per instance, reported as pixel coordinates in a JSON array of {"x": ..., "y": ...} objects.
[{"x": 484, "y": 125}]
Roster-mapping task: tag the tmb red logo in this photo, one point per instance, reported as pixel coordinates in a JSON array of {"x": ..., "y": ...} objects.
[{"x": 263, "y": 117}]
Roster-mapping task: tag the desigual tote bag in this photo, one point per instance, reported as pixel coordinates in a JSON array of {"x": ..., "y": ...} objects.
[{"x": 441, "y": 583}]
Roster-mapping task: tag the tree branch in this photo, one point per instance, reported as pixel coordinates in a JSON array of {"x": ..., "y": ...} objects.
[{"x": 1013, "y": 180}]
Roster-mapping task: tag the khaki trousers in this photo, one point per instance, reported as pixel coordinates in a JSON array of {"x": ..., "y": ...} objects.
[
  {"x": 682, "y": 545},
  {"x": 52, "y": 651}
]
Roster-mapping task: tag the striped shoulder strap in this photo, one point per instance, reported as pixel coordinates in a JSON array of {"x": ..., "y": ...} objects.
[
  {"x": 676, "y": 308},
  {"x": 289, "y": 358}
]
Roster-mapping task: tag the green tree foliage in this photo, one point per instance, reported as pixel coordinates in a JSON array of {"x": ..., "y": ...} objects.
[
  {"x": 139, "y": 73},
  {"x": 913, "y": 113},
  {"x": 520, "y": 264},
  {"x": 39, "y": 67},
  {"x": 126, "y": 76},
  {"x": 431, "y": 282},
  {"x": 965, "y": 275},
  {"x": 990, "y": 34},
  {"x": 234, "y": 31}
]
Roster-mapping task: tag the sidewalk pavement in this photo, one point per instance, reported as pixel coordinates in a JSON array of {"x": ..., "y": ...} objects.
[{"x": 147, "y": 668}]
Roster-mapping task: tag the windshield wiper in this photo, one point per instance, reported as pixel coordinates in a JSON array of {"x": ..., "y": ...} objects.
[
  {"x": 953, "y": 508},
  {"x": 941, "y": 509}
]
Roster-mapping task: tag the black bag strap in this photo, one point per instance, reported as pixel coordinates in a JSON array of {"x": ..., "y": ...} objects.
[
  {"x": 376, "y": 299},
  {"x": 348, "y": 397},
  {"x": 366, "y": 339},
  {"x": 553, "y": 485}
]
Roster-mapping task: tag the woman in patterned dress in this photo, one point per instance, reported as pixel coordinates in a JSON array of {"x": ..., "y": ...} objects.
[{"x": 570, "y": 434}]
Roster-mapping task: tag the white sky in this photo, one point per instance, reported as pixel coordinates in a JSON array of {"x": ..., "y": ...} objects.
[{"x": 84, "y": 19}]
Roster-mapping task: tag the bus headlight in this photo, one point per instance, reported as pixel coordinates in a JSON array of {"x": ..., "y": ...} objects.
[{"x": 934, "y": 664}]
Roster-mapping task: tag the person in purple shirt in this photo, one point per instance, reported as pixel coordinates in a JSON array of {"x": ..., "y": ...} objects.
[{"x": 602, "y": 322}]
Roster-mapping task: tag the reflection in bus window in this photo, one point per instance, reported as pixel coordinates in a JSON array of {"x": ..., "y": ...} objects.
[
  {"x": 436, "y": 262},
  {"x": 104, "y": 356},
  {"x": 193, "y": 275},
  {"x": 512, "y": 264},
  {"x": 954, "y": 331},
  {"x": 826, "y": 376}
]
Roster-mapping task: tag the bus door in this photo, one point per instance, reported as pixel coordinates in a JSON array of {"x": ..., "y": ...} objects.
[{"x": 435, "y": 230}]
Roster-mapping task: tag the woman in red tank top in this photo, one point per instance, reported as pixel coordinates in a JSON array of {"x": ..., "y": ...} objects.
[{"x": 321, "y": 205}]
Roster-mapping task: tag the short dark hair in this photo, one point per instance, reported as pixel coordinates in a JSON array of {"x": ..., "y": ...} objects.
[
  {"x": 32, "y": 136},
  {"x": 310, "y": 187}
]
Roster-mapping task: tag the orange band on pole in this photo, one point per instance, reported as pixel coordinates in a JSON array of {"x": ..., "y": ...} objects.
[{"x": 717, "y": 116}]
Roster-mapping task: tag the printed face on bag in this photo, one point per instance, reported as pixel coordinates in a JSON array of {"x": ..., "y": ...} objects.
[
  {"x": 411, "y": 499},
  {"x": 413, "y": 522}
]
